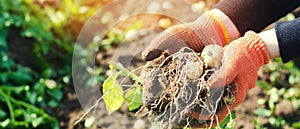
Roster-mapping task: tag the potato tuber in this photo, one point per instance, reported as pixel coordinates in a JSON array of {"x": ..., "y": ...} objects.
[{"x": 212, "y": 55}]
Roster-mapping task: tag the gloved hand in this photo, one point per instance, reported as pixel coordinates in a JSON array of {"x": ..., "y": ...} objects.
[
  {"x": 207, "y": 29},
  {"x": 241, "y": 61}
]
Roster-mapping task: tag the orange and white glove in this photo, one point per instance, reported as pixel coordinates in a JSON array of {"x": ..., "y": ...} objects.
[
  {"x": 213, "y": 27},
  {"x": 241, "y": 61}
]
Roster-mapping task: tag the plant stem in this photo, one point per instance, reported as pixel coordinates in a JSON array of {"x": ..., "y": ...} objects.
[
  {"x": 9, "y": 105},
  {"x": 126, "y": 71},
  {"x": 9, "y": 100}
]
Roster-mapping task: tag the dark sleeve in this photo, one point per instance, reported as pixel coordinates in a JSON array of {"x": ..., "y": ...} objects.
[
  {"x": 288, "y": 36},
  {"x": 256, "y": 14}
]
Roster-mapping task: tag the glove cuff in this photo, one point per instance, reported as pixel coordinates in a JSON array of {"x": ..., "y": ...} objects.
[
  {"x": 219, "y": 27},
  {"x": 216, "y": 27},
  {"x": 256, "y": 48},
  {"x": 225, "y": 21}
]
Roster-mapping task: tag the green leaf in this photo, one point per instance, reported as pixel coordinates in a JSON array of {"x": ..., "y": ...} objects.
[
  {"x": 230, "y": 125},
  {"x": 53, "y": 103},
  {"x": 3, "y": 78},
  {"x": 54, "y": 124},
  {"x": 7, "y": 64},
  {"x": 66, "y": 79},
  {"x": 227, "y": 120},
  {"x": 19, "y": 112},
  {"x": 17, "y": 90},
  {"x": 274, "y": 97},
  {"x": 262, "y": 112},
  {"x": 4, "y": 33},
  {"x": 134, "y": 98},
  {"x": 45, "y": 48},
  {"x": 4, "y": 5},
  {"x": 296, "y": 125},
  {"x": 274, "y": 76},
  {"x": 89, "y": 122},
  {"x": 2, "y": 114},
  {"x": 27, "y": 117},
  {"x": 257, "y": 124},
  {"x": 21, "y": 76},
  {"x": 55, "y": 93},
  {"x": 4, "y": 123},
  {"x": 100, "y": 79},
  {"x": 289, "y": 17},
  {"x": 289, "y": 64},
  {"x": 296, "y": 103},
  {"x": 112, "y": 93},
  {"x": 135, "y": 26},
  {"x": 261, "y": 101},
  {"x": 31, "y": 96},
  {"x": 36, "y": 122},
  {"x": 293, "y": 79},
  {"x": 277, "y": 122},
  {"x": 263, "y": 84},
  {"x": 91, "y": 82}
]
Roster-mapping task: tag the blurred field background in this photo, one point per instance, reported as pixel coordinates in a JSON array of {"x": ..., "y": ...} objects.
[{"x": 37, "y": 39}]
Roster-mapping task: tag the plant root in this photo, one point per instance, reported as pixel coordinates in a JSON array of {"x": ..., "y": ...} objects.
[{"x": 174, "y": 85}]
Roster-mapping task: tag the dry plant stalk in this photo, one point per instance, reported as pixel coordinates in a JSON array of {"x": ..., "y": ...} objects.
[{"x": 174, "y": 85}]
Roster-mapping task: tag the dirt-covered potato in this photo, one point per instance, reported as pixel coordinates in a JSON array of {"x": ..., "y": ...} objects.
[
  {"x": 193, "y": 69},
  {"x": 212, "y": 55}
]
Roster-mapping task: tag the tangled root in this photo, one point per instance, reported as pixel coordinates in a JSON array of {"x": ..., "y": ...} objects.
[{"x": 175, "y": 85}]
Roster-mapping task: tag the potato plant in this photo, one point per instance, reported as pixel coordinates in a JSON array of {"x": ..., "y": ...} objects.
[{"x": 163, "y": 99}]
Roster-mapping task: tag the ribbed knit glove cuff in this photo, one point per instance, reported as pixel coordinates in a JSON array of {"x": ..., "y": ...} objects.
[
  {"x": 209, "y": 30},
  {"x": 256, "y": 49},
  {"x": 216, "y": 27}
]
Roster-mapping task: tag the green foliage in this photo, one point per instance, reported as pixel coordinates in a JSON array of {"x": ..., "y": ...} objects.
[
  {"x": 134, "y": 98},
  {"x": 23, "y": 114},
  {"x": 282, "y": 86},
  {"x": 115, "y": 37},
  {"x": 296, "y": 125},
  {"x": 263, "y": 84},
  {"x": 277, "y": 122},
  {"x": 89, "y": 122},
  {"x": 257, "y": 124},
  {"x": 135, "y": 26},
  {"x": 228, "y": 122},
  {"x": 289, "y": 17},
  {"x": 263, "y": 112},
  {"x": 27, "y": 92},
  {"x": 113, "y": 92}
]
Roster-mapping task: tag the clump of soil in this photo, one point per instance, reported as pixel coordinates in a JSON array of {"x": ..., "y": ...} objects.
[{"x": 174, "y": 85}]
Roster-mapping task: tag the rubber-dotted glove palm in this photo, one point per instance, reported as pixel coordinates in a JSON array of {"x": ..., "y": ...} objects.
[
  {"x": 205, "y": 30},
  {"x": 242, "y": 58}
]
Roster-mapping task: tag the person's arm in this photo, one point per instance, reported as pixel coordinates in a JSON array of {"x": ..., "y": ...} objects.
[
  {"x": 256, "y": 14},
  {"x": 284, "y": 40},
  {"x": 288, "y": 36},
  {"x": 270, "y": 39},
  {"x": 229, "y": 20}
]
